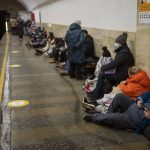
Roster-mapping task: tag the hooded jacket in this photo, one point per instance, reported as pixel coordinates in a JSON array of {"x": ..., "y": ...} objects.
[
  {"x": 135, "y": 85},
  {"x": 122, "y": 61},
  {"x": 74, "y": 39},
  {"x": 88, "y": 46}
]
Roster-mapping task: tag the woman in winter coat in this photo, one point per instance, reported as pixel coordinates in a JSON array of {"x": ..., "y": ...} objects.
[
  {"x": 122, "y": 61},
  {"x": 74, "y": 39},
  {"x": 123, "y": 113}
]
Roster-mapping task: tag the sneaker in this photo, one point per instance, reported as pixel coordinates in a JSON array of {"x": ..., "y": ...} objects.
[
  {"x": 38, "y": 54},
  {"x": 38, "y": 51},
  {"x": 87, "y": 105},
  {"x": 85, "y": 100},
  {"x": 52, "y": 61},
  {"x": 88, "y": 118},
  {"x": 63, "y": 73},
  {"x": 45, "y": 54},
  {"x": 91, "y": 101}
]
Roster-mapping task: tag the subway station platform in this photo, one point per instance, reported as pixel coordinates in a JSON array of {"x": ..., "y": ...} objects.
[{"x": 53, "y": 118}]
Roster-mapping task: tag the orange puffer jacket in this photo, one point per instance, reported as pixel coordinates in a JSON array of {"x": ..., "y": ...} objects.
[{"x": 135, "y": 85}]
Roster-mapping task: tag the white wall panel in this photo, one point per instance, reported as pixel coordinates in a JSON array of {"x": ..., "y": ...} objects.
[{"x": 117, "y": 15}]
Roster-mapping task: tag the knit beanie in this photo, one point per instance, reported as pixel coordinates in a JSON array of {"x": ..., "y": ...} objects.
[
  {"x": 106, "y": 52},
  {"x": 122, "y": 39}
]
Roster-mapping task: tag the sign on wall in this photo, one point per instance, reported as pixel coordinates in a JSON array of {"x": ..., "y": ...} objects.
[{"x": 144, "y": 12}]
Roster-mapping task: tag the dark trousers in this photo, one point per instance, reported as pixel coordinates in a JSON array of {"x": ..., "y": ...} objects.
[
  {"x": 120, "y": 103},
  {"x": 115, "y": 115},
  {"x": 75, "y": 70},
  {"x": 63, "y": 56},
  {"x": 98, "y": 92},
  {"x": 146, "y": 132}
]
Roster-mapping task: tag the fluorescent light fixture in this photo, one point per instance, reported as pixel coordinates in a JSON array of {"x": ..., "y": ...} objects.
[
  {"x": 49, "y": 25},
  {"x": 6, "y": 25}
]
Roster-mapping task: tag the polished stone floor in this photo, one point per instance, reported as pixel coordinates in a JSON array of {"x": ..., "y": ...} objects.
[{"x": 53, "y": 119}]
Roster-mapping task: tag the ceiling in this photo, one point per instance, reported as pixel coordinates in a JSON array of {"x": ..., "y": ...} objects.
[{"x": 36, "y": 4}]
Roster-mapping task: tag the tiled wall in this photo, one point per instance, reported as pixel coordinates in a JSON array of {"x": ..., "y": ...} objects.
[
  {"x": 101, "y": 37},
  {"x": 138, "y": 42},
  {"x": 142, "y": 52}
]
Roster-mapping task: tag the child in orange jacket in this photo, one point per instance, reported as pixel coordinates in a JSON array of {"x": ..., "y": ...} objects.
[{"x": 137, "y": 83}]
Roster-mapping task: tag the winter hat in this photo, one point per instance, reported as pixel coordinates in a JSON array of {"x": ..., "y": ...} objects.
[
  {"x": 106, "y": 52},
  {"x": 77, "y": 22},
  {"x": 122, "y": 39}
]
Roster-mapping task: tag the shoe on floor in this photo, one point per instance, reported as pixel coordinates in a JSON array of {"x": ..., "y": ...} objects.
[
  {"x": 38, "y": 54},
  {"x": 52, "y": 61},
  {"x": 64, "y": 73},
  {"x": 87, "y": 105},
  {"x": 89, "y": 111},
  {"x": 88, "y": 118},
  {"x": 39, "y": 51}
]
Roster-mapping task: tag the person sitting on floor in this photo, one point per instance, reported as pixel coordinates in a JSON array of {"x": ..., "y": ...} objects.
[
  {"x": 50, "y": 40},
  {"x": 137, "y": 83},
  {"x": 122, "y": 61},
  {"x": 39, "y": 39},
  {"x": 104, "y": 59},
  {"x": 34, "y": 36},
  {"x": 41, "y": 43},
  {"x": 124, "y": 113},
  {"x": 57, "y": 50},
  {"x": 52, "y": 44}
]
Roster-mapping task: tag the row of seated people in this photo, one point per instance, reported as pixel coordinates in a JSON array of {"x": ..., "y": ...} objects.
[
  {"x": 127, "y": 110},
  {"x": 127, "y": 106},
  {"x": 130, "y": 109},
  {"x": 56, "y": 48}
]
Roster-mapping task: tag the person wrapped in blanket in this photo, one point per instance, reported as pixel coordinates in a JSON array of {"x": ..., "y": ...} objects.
[
  {"x": 106, "y": 58},
  {"x": 137, "y": 83},
  {"x": 124, "y": 113}
]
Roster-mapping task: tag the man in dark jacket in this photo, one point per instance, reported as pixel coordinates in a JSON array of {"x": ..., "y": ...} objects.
[
  {"x": 122, "y": 61},
  {"x": 88, "y": 45},
  {"x": 74, "y": 39},
  {"x": 124, "y": 113}
]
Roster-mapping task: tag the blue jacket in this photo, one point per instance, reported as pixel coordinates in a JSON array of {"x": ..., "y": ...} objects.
[
  {"x": 74, "y": 39},
  {"x": 146, "y": 101}
]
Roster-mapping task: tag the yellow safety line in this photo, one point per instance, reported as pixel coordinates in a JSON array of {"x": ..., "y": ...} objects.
[{"x": 3, "y": 71}]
